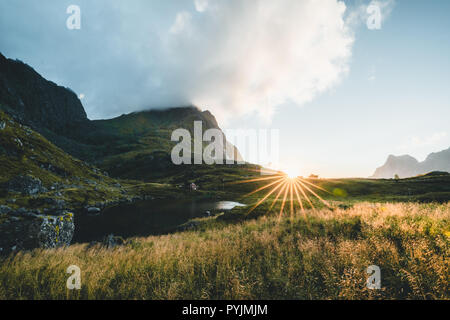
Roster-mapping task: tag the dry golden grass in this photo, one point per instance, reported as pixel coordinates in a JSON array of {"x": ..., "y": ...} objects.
[{"x": 320, "y": 255}]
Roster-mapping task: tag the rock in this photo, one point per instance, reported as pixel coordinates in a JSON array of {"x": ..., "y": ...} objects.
[
  {"x": 4, "y": 209},
  {"x": 207, "y": 213},
  {"x": 19, "y": 142},
  {"x": 37, "y": 231},
  {"x": 26, "y": 185},
  {"x": 2, "y": 125},
  {"x": 60, "y": 204},
  {"x": 21, "y": 211},
  {"x": 111, "y": 241},
  {"x": 93, "y": 210},
  {"x": 90, "y": 182},
  {"x": 344, "y": 206},
  {"x": 189, "y": 226}
]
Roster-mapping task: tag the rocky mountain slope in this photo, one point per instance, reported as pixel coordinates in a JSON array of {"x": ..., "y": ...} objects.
[
  {"x": 134, "y": 146},
  {"x": 36, "y": 101},
  {"x": 43, "y": 189},
  {"x": 406, "y": 166}
]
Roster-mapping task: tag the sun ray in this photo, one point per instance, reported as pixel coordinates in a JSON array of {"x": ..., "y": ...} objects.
[
  {"x": 289, "y": 189},
  {"x": 313, "y": 185},
  {"x": 298, "y": 198},
  {"x": 304, "y": 194},
  {"x": 266, "y": 196},
  {"x": 278, "y": 195},
  {"x": 263, "y": 187},
  {"x": 319, "y": 197},
  {"x": 283, "y": 202},
  {"x": 255, "y": 180},
  {"x": 292, "y": 199}
]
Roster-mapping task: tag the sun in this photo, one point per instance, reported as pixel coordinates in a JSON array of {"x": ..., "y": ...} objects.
[
  {"x": 292, "y": 173},
  {"x": 288, "y": 186}
]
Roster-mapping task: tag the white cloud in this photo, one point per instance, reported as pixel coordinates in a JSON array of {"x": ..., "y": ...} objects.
[
  {"x": 201, "y": 5},
  {"x": 232, "y": 57},
  {"x": 182, "y": 21},
  {"x": 248, "y": 56}
]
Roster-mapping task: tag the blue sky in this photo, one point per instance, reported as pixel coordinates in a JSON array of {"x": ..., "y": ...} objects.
[
  {"x": 404, "y": 109},
  {"x": 343, "y": 101}
]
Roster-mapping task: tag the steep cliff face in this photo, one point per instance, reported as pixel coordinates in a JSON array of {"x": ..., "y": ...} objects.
[
  {"x": 406, "y": 166},
  {"x": 36, "y": 101}
]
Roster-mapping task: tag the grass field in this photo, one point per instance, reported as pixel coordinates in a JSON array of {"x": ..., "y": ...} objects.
[{"x": 319, "y": 254}]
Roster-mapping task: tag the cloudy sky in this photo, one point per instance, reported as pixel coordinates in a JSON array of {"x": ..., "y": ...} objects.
[{"x": 343, "y": 95}]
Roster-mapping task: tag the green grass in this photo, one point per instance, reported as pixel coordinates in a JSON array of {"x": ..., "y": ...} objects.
[
  {"x": 314, "y": 255},
  {"x": 26, "y": 152},
  {"x": 322, "y": 253}
]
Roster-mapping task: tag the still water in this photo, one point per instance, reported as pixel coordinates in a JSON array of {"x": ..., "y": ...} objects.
[{"x": 145, "y": 218}]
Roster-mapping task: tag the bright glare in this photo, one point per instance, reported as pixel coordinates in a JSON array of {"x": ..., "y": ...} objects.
[{"x": 292, "y": 172}]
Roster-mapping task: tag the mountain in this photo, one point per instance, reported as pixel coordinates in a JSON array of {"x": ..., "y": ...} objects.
[
  {"x": 53, "y": 159},
  {"x": 406, "y": 166},
  {"x": 135, "y": 145},
  {"x": 41, "y": 187},
  {"x": 143, "y": 145},
  {"x": 36, "y": 101},
  {"x": 437, "y": 161},
  {"x": 403, "y": 166}
]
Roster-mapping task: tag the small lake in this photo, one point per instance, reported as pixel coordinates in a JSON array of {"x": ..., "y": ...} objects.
[{"x": 150, "y": 217}]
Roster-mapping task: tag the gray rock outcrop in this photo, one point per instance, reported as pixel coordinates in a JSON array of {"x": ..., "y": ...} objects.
[
  {"x": 29, "y": 231},
  {"x": 26, "y": 185}
]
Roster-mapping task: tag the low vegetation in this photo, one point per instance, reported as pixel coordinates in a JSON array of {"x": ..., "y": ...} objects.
[{"x": 318, "y": 254}]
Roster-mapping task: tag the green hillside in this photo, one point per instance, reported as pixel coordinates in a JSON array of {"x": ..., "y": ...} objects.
[{"x": 26, "y": 155}]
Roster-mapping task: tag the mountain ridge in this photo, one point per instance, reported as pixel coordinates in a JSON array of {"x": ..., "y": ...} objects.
[
  {"x": 406, "y": 166},
  {"x": 29, "y": 97},
  {"x": 58, "y": 114}
]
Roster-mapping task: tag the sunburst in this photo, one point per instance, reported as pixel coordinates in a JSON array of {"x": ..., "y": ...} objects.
[{"x": 293, "y": 191}]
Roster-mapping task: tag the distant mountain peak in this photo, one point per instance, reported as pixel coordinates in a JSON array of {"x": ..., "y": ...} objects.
[{"x": 407, "y": 166}]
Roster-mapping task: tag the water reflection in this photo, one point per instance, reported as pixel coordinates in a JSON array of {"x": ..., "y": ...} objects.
[{"x": 152, "y": 217}]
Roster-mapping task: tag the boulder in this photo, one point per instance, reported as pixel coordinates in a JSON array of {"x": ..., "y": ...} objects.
[
  {"x": 4, "y": 209},
  {"x": 29, "y": 231},
  {"x": 93, "y": 210},
  {"x": 111, "y": 241},
  {"x": 26, "y": 185}
]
